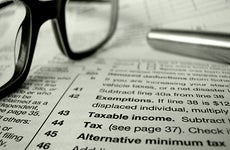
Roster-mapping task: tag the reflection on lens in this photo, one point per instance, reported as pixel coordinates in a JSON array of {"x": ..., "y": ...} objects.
[
  {"x": 87, "y": 23},
  {"x": 11, "y": 16}
]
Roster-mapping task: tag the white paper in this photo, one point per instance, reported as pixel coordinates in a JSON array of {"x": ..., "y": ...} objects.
[{"x": 127, "y": 96}]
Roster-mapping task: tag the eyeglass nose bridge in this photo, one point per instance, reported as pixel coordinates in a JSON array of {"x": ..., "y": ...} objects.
[{"x": 41, "y": 11}]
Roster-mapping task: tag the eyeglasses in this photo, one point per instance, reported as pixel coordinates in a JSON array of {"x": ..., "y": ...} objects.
[{"x": 81, "y": 27}]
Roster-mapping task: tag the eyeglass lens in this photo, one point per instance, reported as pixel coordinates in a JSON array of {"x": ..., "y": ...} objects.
[
  {"x": 87, "y": 23},
  {"x": 11, "y": 16}
]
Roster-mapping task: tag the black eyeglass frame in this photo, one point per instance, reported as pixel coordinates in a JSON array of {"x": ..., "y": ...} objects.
[{"x": 38, "y": 12}]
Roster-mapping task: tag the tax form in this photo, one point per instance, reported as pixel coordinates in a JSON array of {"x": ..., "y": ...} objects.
[{"x": 127, "y": 96}]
